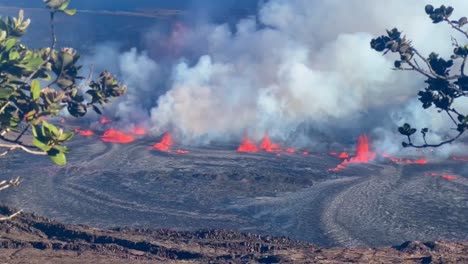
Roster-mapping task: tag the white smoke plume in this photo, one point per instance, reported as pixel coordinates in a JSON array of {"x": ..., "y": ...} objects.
[{"x": 298, "y": 65}]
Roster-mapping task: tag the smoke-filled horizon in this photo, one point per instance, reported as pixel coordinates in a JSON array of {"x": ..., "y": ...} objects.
[{"x": 302, "y": 72}]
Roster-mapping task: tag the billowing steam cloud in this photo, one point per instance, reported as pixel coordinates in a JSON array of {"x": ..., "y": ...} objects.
[{"x": 299, "y": 67}]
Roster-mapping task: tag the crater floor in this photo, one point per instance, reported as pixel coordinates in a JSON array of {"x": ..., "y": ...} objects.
[{"x": 378, "y": 204}]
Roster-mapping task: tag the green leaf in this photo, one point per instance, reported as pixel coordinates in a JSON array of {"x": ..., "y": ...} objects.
[
  {"x": 35, "y": 89},
  {"x": 10, "y": 43},
  {"x": 66, "y": 136},
  {"x": 50, "y": 127},
  {"x": 64, "y": 6},
  {"x": 40, "y": 145},
  {"x": 5, "y": 92},
  {"x": 60, "y": 148},
  {"x": 57, "y": 157},
  {"x": 70, "y": 12},
  {"x": 14, "y": 55}
]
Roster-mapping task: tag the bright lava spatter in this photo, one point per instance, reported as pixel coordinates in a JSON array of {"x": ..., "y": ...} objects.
[
  {"x": 165, "y": 144},
  {"x": 363, "y": 154},
  {"x": 105, "y": 121},
  {"x": 268, "y": 146},
  {"x": 84, "y": 133},
  {"x": 139, "y": 131},
  {"x": 247, "y": 146},
  {"x": 115, "y": 136},
  {"x": 444, "y": 176}
]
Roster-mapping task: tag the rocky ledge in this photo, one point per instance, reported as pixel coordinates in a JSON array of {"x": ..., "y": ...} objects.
[{"x": 29, "y": 238}]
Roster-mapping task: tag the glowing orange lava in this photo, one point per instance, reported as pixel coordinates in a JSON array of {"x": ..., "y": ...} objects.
[
  {"x": 420, "y": 161},
  {"x": 363, "y": 154},
  {"x": 448, "y": 177},
  {"x": 268, "y": 146},
  {"x": 181, "y": 152},
  {"x": 247, "y": 146},
  {"x": 343, "y": 155},
  {"x": 165, "y": 144},
  {"x": 115, "y": 136},
  {"x": 290, "y": 150},
  {"x": 105, "y": 121},
  {"x": 139, "y": 131},
  {"x": 84, "y": 133}
]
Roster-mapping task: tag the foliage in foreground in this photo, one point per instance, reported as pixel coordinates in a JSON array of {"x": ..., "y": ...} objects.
[
  {"x": 38, "y": 84},
  {"x": 446, "y": 81}
]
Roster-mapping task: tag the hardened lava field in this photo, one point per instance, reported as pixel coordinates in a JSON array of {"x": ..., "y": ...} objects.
[{"x": 298, "y": 194}]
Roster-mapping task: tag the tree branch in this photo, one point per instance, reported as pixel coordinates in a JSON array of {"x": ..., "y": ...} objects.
[
  {"x": 456, "y": 28},
  {"x": 436, "y": 145},
  {"x": 52, "y": 48},
  {"x": 11, "y": 216},
  {"x": 11, "y": 147},
  {"x": 7, "y": 184}
]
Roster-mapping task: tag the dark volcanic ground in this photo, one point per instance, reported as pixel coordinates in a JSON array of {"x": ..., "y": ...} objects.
[{"x": 108, "y": 185}]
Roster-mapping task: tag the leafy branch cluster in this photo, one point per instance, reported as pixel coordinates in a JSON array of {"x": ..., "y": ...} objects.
[
  {"x": 446, "y": 80},
  {"x": 37, "y": 84}
]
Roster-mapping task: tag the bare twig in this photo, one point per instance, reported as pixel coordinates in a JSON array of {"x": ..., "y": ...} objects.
[
  {"x": 437, "y": 145},
  {"x": 5, "y": 106},
  {"x": 462, "y": 70},
  {"x": 11, "y": 147},
  {"x": 7, "y": 184},
  {"x": 451, "y": 117},
  {"x": 11, "y": 216},
  {"x": 456, "y": 28},
  {"x": 434, "y": 74},
  {"x": 21, "y": 134},
  {"x": 52, "y": 48}
]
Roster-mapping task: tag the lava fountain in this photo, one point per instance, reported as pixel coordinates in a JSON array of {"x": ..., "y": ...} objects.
[
  {"x": 247, "y": 146},
  {"x": 363, "y": 154},
  {"x": 268, "y": 146},
  {"x": 165, "y": 144}
]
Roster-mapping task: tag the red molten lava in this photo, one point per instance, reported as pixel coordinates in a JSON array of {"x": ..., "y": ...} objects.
[
  {"x": 105, "y": 121},
  {"x": 247, "y": 146},
  {"x": 84, "y": 133},
  {"x": 165, "y": 144},
  {"x": 181, "y": 152},
  {"x": 268, "y": 146},
  {"x": 139, "y": 131},
  {"x": 290, "y": 150},
  {"x": 305, "y": 153},
  {"x": 115, "y": 136},
  {"x": 420, "y": 161},
  {"x": 448, "y": 177},
  {"x": 343, "y": 155},
  {"x": 363, "y": 154}
]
